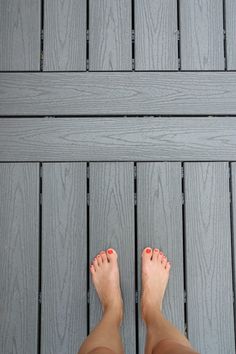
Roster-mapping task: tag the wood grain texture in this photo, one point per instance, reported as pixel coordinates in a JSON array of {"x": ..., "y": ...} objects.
[
  {"x": 156, "y": 35},
  {"x": 201, "y": 28},
  {"x": 111, "y": 214},
  {"x": 20, "y": 35},
  {"x": 19, "y": 239},
  {"x": 64, "y": 35},
  {"x": 159, "y": 218},
  {"x": 121, "y": 93},
  {"x": 208, "y": 257},
  {"x": 233, "y": 201},
  {"x": 118, "y": 139},
  {"x": 110, "y": 43},
  {"x": 64, "y": 258},
  {"x": 230, "y": 15}
]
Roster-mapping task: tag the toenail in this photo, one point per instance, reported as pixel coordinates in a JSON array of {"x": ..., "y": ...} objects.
[
  {"x": 161, "y": 253},
  {"x": 156, "y": 250},
  {"x": 110, "y": 251},
  {"x": 148, "y": 250},
  {"x": 99, "y": 255}
]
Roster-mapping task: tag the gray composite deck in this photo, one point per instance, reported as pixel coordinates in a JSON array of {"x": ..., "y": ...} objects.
[{"x": 117, "y": 129}]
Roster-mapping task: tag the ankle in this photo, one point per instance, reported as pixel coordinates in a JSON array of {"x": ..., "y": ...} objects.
[{"x": 114, "y": 313}]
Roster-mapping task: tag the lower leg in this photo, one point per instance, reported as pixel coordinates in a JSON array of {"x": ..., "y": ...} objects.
[
  {"x": 162, "y": 336},
  {"x": 105, "y": 338}
]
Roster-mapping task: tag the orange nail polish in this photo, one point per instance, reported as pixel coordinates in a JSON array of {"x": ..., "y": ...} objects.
[
  {"x": 148, "y": 250},
  {"x": 110, "y": 251}
]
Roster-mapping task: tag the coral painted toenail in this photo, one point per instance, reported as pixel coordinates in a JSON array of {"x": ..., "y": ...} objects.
[
  {"x": 148, "y": 250},
  {"x": 156, "y": 250},
  {"x": 161, "y": 253},
  {"x": 110, "y": 251}
]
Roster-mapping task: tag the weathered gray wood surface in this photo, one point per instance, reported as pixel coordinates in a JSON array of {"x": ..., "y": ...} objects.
[
  {"x": 230, "y": 15},
  {"x": 110, "y": 44},
  {"x": 64, "y": 258},
  {"x": 121, "y": 93},
  {"x": 201, "y": 31},
  {"x": 19, "y": 240},
  {"x": 120, "y": 139},
  {"x": 19, "y": 35},
  {"x": 233, "y": 231},
  {"x": 111, "y": 215},
  {"x": 159, "y": 223},
  {"x": 64, "y": 35},
  {"x": 156, "y": 36},
  {"x": 208, "y": 257}
]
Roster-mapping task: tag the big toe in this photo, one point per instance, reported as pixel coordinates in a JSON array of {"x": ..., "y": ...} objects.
[
  {"x": 147, "y": 254},
  {"x": 111, "y": 255}
]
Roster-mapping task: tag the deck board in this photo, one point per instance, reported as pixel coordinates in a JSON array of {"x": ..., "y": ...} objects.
[
  {"x": 64, "y": 257},
  {"x": 64, "y": 35},
  {"x": 20, "y": 35},
  {"x": 201, "y": 35},
  {"x": 118, "y": 139},
  {"x": 159, "y": 224},
  {"x": 233, "y": 221},
  {"x": 110, "y": 35},
  {"x": 230, "y": 27},
  {"x": 111, "y": 215},
  {"x": 156, "y": 35},
  {"x": 19, "y": 240},
  {"x": 118, "y": 93},
  {"x": 208, "y": 257}
]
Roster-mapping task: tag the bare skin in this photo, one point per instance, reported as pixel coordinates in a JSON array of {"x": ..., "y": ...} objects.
[{"x": 162, "y": 336}]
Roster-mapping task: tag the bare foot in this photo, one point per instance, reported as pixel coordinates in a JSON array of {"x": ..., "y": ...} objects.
[
  {"x": 106, "y": 279},
  {"x": 155, "y": 275}
]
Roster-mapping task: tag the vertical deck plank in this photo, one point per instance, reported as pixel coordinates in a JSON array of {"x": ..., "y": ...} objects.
[
  {"x": 159, "y": 214},
  {"x": 19, "y": 231},
  {"x": 233, "y": 185},
  {"x": 20, "y": 35},
  {"x": 64, "y": 35},
  {"x": 201, "y": 35},
  {"x": 64, "y": 257},
  {"x": 112, "y": 225},
  {"x": 156, "y": 36},
  {"x": 230, "y": 15},
  {"x": 208, "y": 257},
  {"x": 110, "y": 42}
]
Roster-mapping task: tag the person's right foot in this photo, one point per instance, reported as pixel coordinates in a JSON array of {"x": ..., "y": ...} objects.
[{"x": 155, "y": 275}]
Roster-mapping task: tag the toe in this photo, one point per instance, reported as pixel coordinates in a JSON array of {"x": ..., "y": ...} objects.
[
  {"x": 103, "y": 256},
  {"x": 168, "y": 266},
  {"x": 155, "y": 254},
  {"x": 164, "y": 261},
  {"x": 161, "y": 254},
  {"x": 111, "y": 255},
  {"x": 99, "y": 259},
  {"x": 92, "y": 269},
  {"x": 95, "y": 264},
  {"x": 147, "y": 253}
]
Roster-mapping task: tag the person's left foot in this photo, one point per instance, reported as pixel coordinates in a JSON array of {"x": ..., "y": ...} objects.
[{"x": 106, "y": 279}]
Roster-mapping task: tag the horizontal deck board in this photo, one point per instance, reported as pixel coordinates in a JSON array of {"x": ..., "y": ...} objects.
[
  {"x": 210, "y": 318},
  {"x": 118, "y": 93},
  {"x": 19, "y": 262},
  {"x": 121, "y": 139},
  {"x": 159, "y": 224},
  {"x": 64, "y": 257}
]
